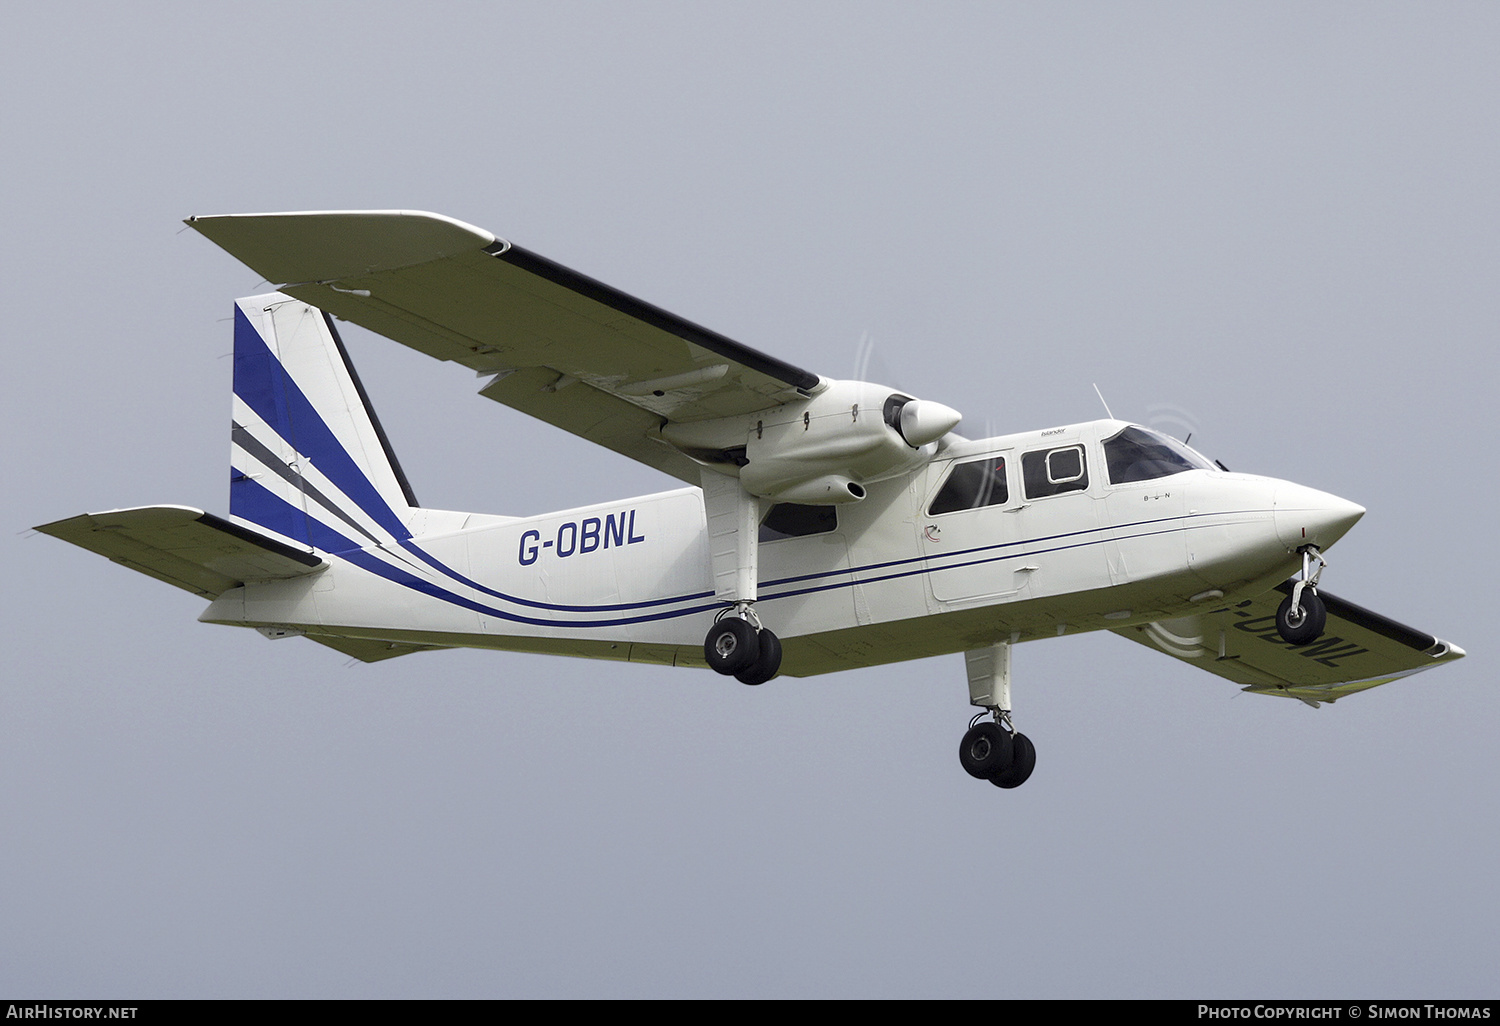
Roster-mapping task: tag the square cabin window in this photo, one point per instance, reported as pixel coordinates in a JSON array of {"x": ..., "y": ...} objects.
[{"x": 1054, "y": 471}]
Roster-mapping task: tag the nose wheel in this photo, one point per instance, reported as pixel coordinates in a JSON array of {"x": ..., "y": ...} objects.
[{"x": 1302, "y": 614}]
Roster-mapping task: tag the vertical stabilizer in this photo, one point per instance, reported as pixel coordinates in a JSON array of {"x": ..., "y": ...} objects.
[{"x": 308, "y": 459}]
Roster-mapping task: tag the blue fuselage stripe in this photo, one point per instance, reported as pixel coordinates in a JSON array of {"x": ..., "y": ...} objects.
[
  {"x": 262, "y": 382},
  {"x": 273, "y": 510},
  {"x": 929, "y": 558}
]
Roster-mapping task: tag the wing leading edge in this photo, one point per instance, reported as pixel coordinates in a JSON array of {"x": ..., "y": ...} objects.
[
  {"x": 556, "y": 344},
  {"x": 1358, "y": 650}
]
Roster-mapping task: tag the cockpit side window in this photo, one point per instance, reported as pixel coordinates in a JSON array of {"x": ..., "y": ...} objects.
[
  {"x": 972, "y": 485},
  {"x": 1054, "y": 471},
  {"x": 1139, "y": 454}
]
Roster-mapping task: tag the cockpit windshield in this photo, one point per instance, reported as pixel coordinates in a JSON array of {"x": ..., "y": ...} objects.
[{"x": 1140, "y": 454}]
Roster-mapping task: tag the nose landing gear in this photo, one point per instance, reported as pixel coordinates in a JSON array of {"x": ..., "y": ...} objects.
[{"x": 1302, "y": 615}]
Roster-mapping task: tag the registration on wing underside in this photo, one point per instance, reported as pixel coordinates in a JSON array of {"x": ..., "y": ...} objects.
[{"x": 1358, "y": 650}]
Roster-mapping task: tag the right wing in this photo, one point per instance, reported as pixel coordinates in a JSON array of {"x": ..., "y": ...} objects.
[
  {"x": 1358, "y": 650},
  {"x": 561, "y": 347}
]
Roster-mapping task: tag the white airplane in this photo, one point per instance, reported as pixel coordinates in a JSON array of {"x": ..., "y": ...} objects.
[{"x": 824, "y": 524}]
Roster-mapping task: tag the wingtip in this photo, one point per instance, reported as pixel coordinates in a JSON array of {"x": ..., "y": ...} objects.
[
  {"x": 328, "y": 245},
  {"x": 1447, "y": 650}
]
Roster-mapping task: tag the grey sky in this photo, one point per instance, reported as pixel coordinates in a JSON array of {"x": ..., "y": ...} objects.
[{"x": 1274, "y": 225}]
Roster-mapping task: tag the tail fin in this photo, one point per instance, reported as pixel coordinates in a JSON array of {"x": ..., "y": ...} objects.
[{"x": 308, "y": 458}]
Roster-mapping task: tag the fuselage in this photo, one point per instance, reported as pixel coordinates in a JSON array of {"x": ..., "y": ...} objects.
[{"x": 1084, "y": 527}]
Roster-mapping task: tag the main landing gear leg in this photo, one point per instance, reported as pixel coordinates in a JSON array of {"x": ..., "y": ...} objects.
[
  {"x": 992, "y": 749},
  {"x": 737, "y": 645},
  {"x": 1302, "y": 615}
]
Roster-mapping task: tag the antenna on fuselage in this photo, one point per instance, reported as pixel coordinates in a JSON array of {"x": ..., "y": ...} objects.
[{"x": 1100, "y": 394}]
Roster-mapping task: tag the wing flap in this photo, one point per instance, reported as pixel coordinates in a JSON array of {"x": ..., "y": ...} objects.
[
  {"x": 185, "y": 547},
  {"x": 591, "y": 414},
  {"x": 581, "y": 354},
  {"x": 1359, "y": 649}
]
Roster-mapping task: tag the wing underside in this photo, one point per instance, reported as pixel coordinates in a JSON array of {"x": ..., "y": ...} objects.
[
  {"x": 1358, "y": 650},
  {"x": 556, "y": 344}
]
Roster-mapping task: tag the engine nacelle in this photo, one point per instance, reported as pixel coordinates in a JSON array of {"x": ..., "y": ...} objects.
[
  {"x": 824, "y": 449},
  {"x": 828, "y": 490}
]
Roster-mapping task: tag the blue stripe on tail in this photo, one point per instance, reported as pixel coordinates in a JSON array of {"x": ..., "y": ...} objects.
[{"x": 262, "y": 383}]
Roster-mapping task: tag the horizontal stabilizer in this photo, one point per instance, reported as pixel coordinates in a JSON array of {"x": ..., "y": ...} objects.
[
  {"x": 186, "y": 547},
  {"x": 1358, "y": 649}
]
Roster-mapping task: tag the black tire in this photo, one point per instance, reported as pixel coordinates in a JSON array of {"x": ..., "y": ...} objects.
[
  {"x": 1305, "y": 624},
  {"x": 731, "y": 645},
  {"x": 985, "y": 750},
  {"x": 766, "y": 664},
  {"x": 1023, "y": 761}
]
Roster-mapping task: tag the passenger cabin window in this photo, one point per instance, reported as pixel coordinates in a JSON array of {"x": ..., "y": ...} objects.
[
  {"x": 794, "y": 520},
  {"x": 1139, "y": 454},
  {"x": 1054, "y": 471},
  {"x": 972, "y": 485}
]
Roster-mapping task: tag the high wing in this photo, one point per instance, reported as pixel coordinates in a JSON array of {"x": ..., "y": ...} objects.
[
  {"x": 185, "y": 547},
  {"x": 1358, "y": 650},
  {"x": 560, "y": 346}
]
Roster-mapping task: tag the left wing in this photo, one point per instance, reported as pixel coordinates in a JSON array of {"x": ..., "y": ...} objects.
[
  {"x": 1359, "y": 649},
  {"x": 561, "y": 346}
]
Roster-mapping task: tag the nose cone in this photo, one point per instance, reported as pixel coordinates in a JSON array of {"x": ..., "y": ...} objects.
[{"x": 1306, "y": 516}]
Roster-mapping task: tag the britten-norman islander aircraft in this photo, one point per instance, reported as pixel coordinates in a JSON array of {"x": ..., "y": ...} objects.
[{"x": 824, "y": 524}]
